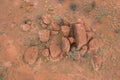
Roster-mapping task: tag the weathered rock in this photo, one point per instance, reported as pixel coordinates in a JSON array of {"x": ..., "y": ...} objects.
[
  {"x": 80, "y": 35},
  {"x": 46, "y": 19},
  {"x": 65, "y": 30},
  {"x": 31, "y": 55},
  {"x": 55, "y": 27},
  {"x": 25, "y": 27},
  {"x": 28, "y": 21},
  {"x": 55, "y": 49},
  {"x": 43, "y": 25},
  {"x": 56, "y": 59},
  {"x": 65, "y": 45},
  {"x": 66, "y": 21},
  {"x": 93, "y": 46},
  {"x": 71, "y": 39},
  {"x": 90, "y": 35},
  {"x": 83, "y": 50},
  {"x": 44, "y": 35},
  {"x": 97, "y": 62},
  {"x": 45, "y": 52},
  {"x": 54, "y": 32}
]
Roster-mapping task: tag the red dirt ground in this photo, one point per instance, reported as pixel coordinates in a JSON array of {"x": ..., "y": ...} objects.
[{"x": 20, "y": 46}]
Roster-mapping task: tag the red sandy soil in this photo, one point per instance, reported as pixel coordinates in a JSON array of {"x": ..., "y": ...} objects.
[{"x": 38, "y": 39}]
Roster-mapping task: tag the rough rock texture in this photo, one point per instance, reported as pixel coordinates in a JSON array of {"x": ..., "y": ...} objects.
[
  {"x": 90, "y": 35},
  {"x": 44, "y": 35},
  {"x": 83, "y": 50},
  {"x": 46, "y": 19},
  {"x": 45, "y": 52},
  {"x": 60, "y": 41},
  {"x": 65, "y": 45},
  {"x": 55, "y": 49},
  {"x": 31, "y": 55},
  {"x": 43, "y": 25},
  {"x": 97, "y": 62},
  {"x": 65, "y": 30},
  {"x": 54, "y": 32},
  {"x": 25, "y": 27},
  {"x": 80, "y": 35},
  {"x": 55, "y": 27},
  {"x": 66, "y": 21},
  {"x": 93, "y": 46},
  {"x": 72, "y": 40}
]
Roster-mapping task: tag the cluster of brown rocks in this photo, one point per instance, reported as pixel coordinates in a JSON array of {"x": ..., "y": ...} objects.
[{"x": 63, "y": 40}]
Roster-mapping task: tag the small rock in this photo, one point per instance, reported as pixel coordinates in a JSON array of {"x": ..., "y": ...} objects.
[
  {"x": 93, "y": 46},
  {"x": 29, "y": 22},
  {"x": 45, "y": 52},
  {"x": 54, "y": 32},
  {"x": 97, "y": 62},
  {"x": 55, "y": 49},
  {"x": 43, "y": 25},
  {"x": 44, "y": 35},
  {"x": 31, "y": 55},
  {"x": 66, "y": 21},
  {"x": 65, "y": 45},
  {"x": 80, "y": 35},
  {"x": 65, "y": 30},
  {"x": 71, "y": 39},
  {"x": 46, "y": 19},
  {"x": 83, "y": 50},
  {"x": 25, "y": 27},
  {"x": 55, "y": 27}
]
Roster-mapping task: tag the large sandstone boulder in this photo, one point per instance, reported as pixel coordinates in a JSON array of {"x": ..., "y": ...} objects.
[
  {"x": 80, "y": 35},
  {"x": 31, "y": 55},
  {"x": 55, "y": 49}
]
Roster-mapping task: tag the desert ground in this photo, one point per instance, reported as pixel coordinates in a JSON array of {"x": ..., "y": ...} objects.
[{"x": 59, "y": 39}]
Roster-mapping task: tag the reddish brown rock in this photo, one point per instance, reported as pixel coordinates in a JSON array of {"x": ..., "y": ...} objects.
[
  {"x": 44, "y": 35},
  {"x": 55, "y": 27},
  {"x": 46, "y": 19},
  {"x": 31, "y": 55},
  {"x": 45, "y": 52},
  {"x": 65, "y": 45},
  {"x": 25, "y": 27},
  {"x": 83, "y": 50},
  {"x": 66, "y": 21},
  {"x": 54, "y": 32},
  {"x": 55, "y": 49},
  {"x": 97, "y": 62},
  {"x": 71, "y": 39},
  {"x": 80, "y": 35},
  {"x": 90, "y": 35},
  {"x": 65, "y": 30},
  {"x": 93, "y": 46},
  {"x": 56, "y": 59},
  {"x": 43, "y": 25}
]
